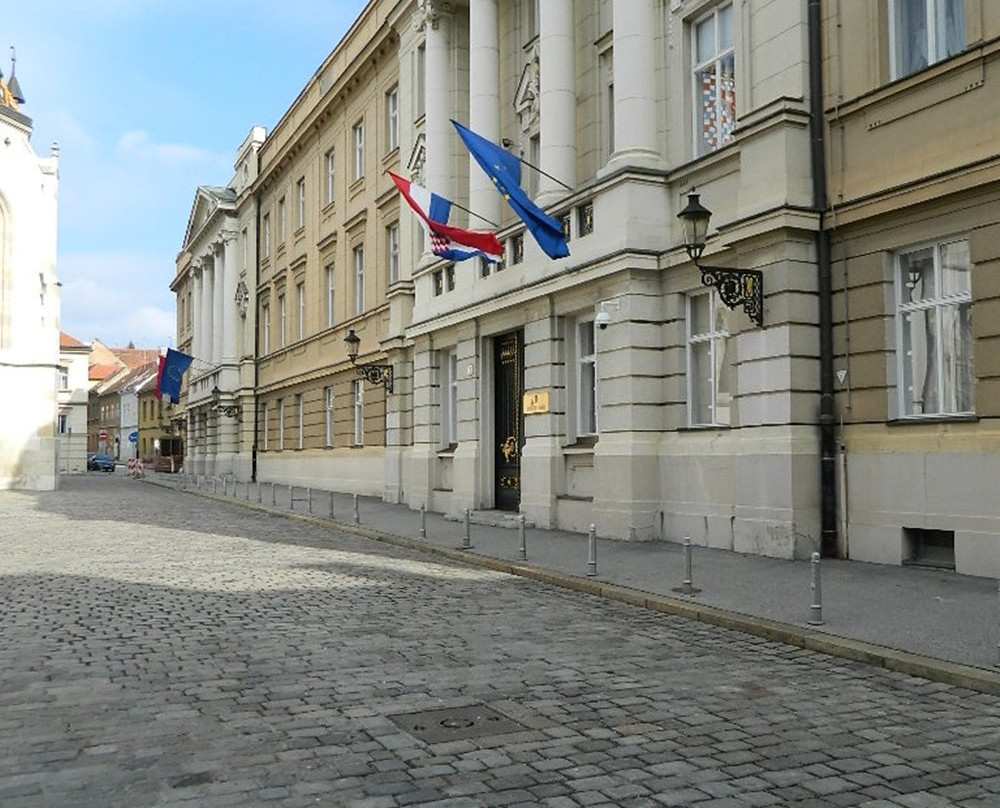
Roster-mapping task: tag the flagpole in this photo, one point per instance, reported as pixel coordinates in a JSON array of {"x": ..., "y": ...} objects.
[
  {"x": 544, "y": 173},
  {"x": 473, "y": 213}
]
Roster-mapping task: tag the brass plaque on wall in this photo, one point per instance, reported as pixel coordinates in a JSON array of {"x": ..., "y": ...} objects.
[{"x": 536, "y": 402}]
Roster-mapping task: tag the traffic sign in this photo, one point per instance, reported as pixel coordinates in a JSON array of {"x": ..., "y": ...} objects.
[{"x": 133, "y": 436}]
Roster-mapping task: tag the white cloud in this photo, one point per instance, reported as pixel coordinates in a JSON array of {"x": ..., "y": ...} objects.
[{"x": 137, "y": 142}]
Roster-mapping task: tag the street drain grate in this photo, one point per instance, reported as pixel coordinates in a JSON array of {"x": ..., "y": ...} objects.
[{"x": 455, "y": 723}]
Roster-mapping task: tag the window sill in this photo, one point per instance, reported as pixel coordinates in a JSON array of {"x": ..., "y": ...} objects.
[
  {"x": 584, "y": 445},
  {"x": 447, "y": 451},
  {"x": 909, "y": 420}
]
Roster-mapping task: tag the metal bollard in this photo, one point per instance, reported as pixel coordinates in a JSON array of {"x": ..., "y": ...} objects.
[
  {"x": 215, "y": 485},
  {"x": 274, "y": 495},
  {"x": 331, "y": 504},
  {"x": 467, "y": 537},
  {"x": 997, "y": 663},
  {"x": 687, "y": 587},
  {"x": 816, "y": 610},
  {"x": 423, "y": 521},
  {"x": 357, "y": 512},
  {"x": 258, "y": 492},
  {"x": 309, "y": 498},
  {"x": 592, "y": 552},
  {"x": 522, "y": 548}
]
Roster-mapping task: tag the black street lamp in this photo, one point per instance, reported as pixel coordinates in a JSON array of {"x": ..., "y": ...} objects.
[
  {"x": 736, "y": 287},
  {"x": 375, "y": 374}
]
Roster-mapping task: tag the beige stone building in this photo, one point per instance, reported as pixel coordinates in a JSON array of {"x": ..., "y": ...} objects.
[{"x": 914, "y": 221}]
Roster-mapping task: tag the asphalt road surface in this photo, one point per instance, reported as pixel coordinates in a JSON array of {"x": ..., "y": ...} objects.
[{"x": 158, "y": 648}]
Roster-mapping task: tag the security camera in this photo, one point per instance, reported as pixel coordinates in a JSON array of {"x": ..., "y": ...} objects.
[{"x": 602, "y": 319}]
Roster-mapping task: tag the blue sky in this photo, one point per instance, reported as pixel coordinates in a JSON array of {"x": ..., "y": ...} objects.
[{"x": 149, "y": 99}]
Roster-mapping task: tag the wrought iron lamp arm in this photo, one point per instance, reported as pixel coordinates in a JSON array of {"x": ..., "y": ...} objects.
[{"x": 738, "y": 287}]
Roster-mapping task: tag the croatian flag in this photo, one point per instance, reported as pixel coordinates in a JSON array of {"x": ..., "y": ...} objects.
[
  {"x": 173, "y": 364},
  {"x": 452, "y": 243}
]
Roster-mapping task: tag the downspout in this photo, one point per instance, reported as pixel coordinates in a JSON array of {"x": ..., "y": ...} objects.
[
  {"x": 827, "y": 424},
  {"x": 256, "y": 334}
]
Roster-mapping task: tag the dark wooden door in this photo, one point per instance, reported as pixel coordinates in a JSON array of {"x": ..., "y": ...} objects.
[{"x": 508, "y": 361}]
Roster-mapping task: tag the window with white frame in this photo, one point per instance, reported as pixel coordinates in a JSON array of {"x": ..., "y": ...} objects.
[
  {"x": 586, "y": 377},
  {"x": 707, "y": 361},
  {"x": 924, "y": 32},
  {"x": 359, "y": 280},
  {"x": 392, "y": 252},
  {"x": 714, "y": 91},
  {"x": 330, "y": 176},
  {"x": 281, "y": 424},
  {"x": 420, "y": 74},
  {"x": 328, "y": 416},
  {"x": 282, "y": 330},
  {"x": 63, "y": 377},
  {"x": 263, "y": 420},
  {"x": 300, "y": 291},
  {"x": 359, "y": 412},
  {"x": 392, "y": 119},
  {"x": 934, "y": 329},
  {"x": 246, "y": 248},
  {"x": 63, "y": 423},
  {"x": 449, "y": 397},
  {"x": 359, "y": 149},
  {"x": 266, "y": 227},
  {"x": 329, "y": 295},
  {"x": 265, "y": 316},
  {"x": 607, "y": 102},
  {"x": 300, "y": 198},
  {"x": 282, "y": 221},
  {"x": 300, "y": 418}
]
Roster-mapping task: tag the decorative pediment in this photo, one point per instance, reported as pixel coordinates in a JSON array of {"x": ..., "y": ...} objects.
[
  {"x": 526, "y": 95},
  {"x": 418, "y": 155},
  {"x": 208, "y": 200}
]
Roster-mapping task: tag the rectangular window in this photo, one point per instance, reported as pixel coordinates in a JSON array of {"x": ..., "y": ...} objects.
[
  {"x": 263, "y": 420},
  {"x": 300, "y": 195},
  {"x": 359, "y": 150},
  {"x": 329, "y": 295},
  {"x": 328, "y": 416},
  {"x": 64, "y": 378},
  {"x": 265, "y": 316},
  {"x": 934, "y": 327},
  {"x": 714, "y": 90},
  {"x": 246, "y": 249},
  {"x": 586, "y": 378},
  {"x": 535, "y": 158},
  {"x": 282, "y": 332},
  {"x": 392, "y": 251},
  {"x": 300, "y": 290},
  {"x": 300, "y": 418},
  {"x": 330, "y": 176},
  {"x": 924, "y": 32},
  {"x": 449, "y": 419},
  {"x": 449, "y": 277},
  {"x": 266, "y": 227},
  {"x": 392, "y": 119},
  {"x": 707, "y": 364},
  {"x": 64, "y": 423},
  {"x": 282, "y": 221},
  {"x": 420, "y": 73},
  {"x": 281, "y": 424},
  {"x": 438, "y": 279},
  {"x": 359, "y": 280},
  {"x": 359, "y": 420}
]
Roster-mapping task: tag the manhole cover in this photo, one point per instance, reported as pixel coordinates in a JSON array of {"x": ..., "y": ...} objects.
[{"x": 455, "y": 723}]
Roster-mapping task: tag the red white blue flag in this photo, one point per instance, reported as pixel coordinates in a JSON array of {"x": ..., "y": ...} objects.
[
  {"x": 168, "y": 378},
  {"x": 451, "y": 243}
]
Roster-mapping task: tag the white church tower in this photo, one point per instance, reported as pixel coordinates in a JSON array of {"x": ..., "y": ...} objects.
[{"x": 29, "y": 302}]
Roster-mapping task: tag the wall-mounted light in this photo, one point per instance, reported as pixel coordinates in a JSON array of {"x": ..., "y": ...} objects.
[
  {"x": 736, "y": 287},
  {"x": 375, "y": 374},
  {"x": 229, "y": 410}
]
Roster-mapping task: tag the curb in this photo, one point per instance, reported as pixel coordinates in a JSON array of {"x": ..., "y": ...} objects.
[{"x": 969, "y": 677}]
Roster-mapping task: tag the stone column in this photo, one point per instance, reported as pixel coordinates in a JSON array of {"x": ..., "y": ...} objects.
[
  {"x": 635, "y": 83},
  {"x": 436, "y": 20},
  {"x": 484, "y": 104},
  {"x": 218, "y": 315},
  {"x": 207, "y": 296},
  {"x": 230, "y": 316},
  {"x": 558, "y": 98},
  {"x": 198, "y": 289}
]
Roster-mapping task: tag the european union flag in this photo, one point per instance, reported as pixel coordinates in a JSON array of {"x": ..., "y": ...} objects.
[
  {"x": 168, "y": 378},
  {"x": 505, "y": 170}
]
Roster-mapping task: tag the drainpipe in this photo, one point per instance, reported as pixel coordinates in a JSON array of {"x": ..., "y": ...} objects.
[{"x": 827, "y": 423}]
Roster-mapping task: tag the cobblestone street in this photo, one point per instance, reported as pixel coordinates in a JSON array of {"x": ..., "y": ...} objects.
[{"x": 160, "y": 648}]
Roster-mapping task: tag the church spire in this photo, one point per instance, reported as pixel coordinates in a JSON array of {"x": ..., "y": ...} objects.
[{"x": 12, "y": 85}]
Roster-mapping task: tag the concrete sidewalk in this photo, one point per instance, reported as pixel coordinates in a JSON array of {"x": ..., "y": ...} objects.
[{"x": 931, "y": 623}]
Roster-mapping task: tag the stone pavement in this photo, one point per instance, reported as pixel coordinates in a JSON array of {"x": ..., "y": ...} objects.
[
  {"x": 927, "y": 622},
  {"x": 160, "y": 648}
]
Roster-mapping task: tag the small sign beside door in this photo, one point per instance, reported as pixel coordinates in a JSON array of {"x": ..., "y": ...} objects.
[{"x": 536, "y": 402}]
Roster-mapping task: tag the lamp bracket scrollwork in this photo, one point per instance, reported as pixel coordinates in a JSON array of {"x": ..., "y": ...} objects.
[
  {"x": 376, "y": 374},
  {"x": 738, "y": 287}
]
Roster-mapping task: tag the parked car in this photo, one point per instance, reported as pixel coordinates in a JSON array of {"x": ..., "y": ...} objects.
[{"x": 100, "y": 462}]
